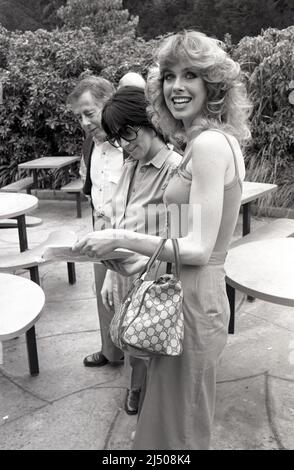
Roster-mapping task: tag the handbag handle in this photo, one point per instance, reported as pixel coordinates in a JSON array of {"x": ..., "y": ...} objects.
[
  {"x": 157, "y": 252},
  {"x": 177, "y": 257}
]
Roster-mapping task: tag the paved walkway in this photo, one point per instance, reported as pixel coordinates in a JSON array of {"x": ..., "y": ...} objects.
[{"x": 69, "y": 406}]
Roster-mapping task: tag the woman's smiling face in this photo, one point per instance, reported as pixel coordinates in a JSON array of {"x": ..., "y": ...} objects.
[{"x": 184, "y": 92}]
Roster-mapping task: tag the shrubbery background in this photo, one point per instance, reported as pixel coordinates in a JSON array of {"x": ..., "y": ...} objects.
[
  {"x": 268, "y": 63},
  {"x": 39, "y": 69}
]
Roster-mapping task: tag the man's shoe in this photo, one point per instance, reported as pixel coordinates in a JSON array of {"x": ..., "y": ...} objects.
[
  {"x": 95, "y": 360},
  {"x": 132, "y": 401}
]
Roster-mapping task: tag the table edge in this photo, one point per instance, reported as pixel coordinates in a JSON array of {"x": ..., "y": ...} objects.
[
  {"x": 20, "y": 212},
  {"x": 256, "y": 196},
  {"x": 259, "y": 295},
  {"x": 24, "y": 329},
  {"x": 28, "y": 165}
]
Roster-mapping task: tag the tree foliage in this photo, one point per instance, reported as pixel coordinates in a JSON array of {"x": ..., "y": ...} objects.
[
  {"x": 48, "y": 16},
  {"x": 156, "y": 17},
  {"x": 122, "y": 55},
  {"x": 41, "y": 69},
  {"x": 102, "y": 16},
  {"x": 268, "y": 62},
  {"x": 213, "y": 17},
  {"x": 29, "y": 14}
]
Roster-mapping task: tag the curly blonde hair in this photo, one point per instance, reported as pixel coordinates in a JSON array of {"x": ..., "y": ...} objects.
[{"x": 227, "y": 106}]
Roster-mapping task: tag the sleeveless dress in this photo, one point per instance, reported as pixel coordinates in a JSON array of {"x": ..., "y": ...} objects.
[{"x": 178, "y": 407}]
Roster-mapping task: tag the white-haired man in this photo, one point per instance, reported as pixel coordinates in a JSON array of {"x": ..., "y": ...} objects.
[{"x": 132, "y": 79}]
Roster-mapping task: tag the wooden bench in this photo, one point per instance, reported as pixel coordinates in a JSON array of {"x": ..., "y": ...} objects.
[
  {"x": 29, "y": 221},
  {"x": 279, "y": 228},
  {"x": 75, "y": 187},
  {"x": 20, "y": 185},
  {"x": 32, "y": 258}
]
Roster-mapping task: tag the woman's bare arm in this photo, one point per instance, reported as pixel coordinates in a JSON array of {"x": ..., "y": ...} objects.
[{"x": 210, "y": 157}]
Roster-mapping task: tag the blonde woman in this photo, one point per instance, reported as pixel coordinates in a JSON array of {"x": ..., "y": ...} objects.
[{"x": 196, "y": 93}]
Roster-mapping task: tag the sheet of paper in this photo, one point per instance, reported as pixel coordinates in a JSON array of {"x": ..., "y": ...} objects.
[{"x": 65, "y": 253}]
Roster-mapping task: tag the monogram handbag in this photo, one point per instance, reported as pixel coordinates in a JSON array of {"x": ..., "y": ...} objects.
[{"x": 150, "y": 320}]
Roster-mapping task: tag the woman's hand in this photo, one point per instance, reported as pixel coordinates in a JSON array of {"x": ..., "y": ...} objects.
[
  {"x": 98, "y": 243},
  {"x": 128, "y": 266},
  {"x": 107, "y": 292}
]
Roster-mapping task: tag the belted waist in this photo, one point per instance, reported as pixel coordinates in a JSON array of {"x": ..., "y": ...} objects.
[{"x": 217, "y": 257}]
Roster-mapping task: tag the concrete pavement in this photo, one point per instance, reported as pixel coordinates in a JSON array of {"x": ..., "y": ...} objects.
[{"x": 69, "y": 406}]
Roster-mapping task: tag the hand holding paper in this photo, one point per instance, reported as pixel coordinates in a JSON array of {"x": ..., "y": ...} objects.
[
  {"x": 94, "y": 247},
  {"x": 57, "y": 247},
  {"x": 98, "y": 244},
  {"x": 66, "y": 253}
]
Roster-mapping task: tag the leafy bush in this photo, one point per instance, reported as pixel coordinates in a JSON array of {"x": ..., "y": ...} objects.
[
  {"x": 268, "y": 62},
  {"x": 121, "y": 55},
  {"x": 41, "y": 69},
  {"x": 38, "y": 70},
  {"x": 213, "y": 17},
  {"x": 102, "y": 16}
]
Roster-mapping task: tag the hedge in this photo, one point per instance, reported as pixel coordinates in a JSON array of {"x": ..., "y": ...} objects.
[{"x": 39, "y": 69}]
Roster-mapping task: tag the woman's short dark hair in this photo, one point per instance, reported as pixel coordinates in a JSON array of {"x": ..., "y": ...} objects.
[{"x": 127, "y": 107}]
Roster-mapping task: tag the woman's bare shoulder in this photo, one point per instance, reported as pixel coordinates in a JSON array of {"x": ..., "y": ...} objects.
[
  {"x": 213, "y": 137},
  {"x": 217, "y": 147},
  {"x": 210, "y": 143}
]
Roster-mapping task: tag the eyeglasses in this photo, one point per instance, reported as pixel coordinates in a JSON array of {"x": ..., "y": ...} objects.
[{"x": 127, "y": 133}]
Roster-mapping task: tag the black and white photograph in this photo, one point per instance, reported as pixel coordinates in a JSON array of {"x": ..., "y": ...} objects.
[{"x": 146, "y": 227}]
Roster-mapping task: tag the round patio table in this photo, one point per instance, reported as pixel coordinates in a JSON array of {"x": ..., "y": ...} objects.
[
  {"x": 16, "y": 205},
  {"x": 263, "y": 269},
  {"x": 21, "y": 303}
]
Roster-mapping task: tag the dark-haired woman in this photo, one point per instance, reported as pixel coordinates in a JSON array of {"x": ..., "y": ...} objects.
[{"x": 137, "y": 203}]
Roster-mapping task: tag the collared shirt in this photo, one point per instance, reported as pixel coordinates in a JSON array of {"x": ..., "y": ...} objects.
[
  {"x": 105, "y": 171},
  {"x": 138, "y": 199}
]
